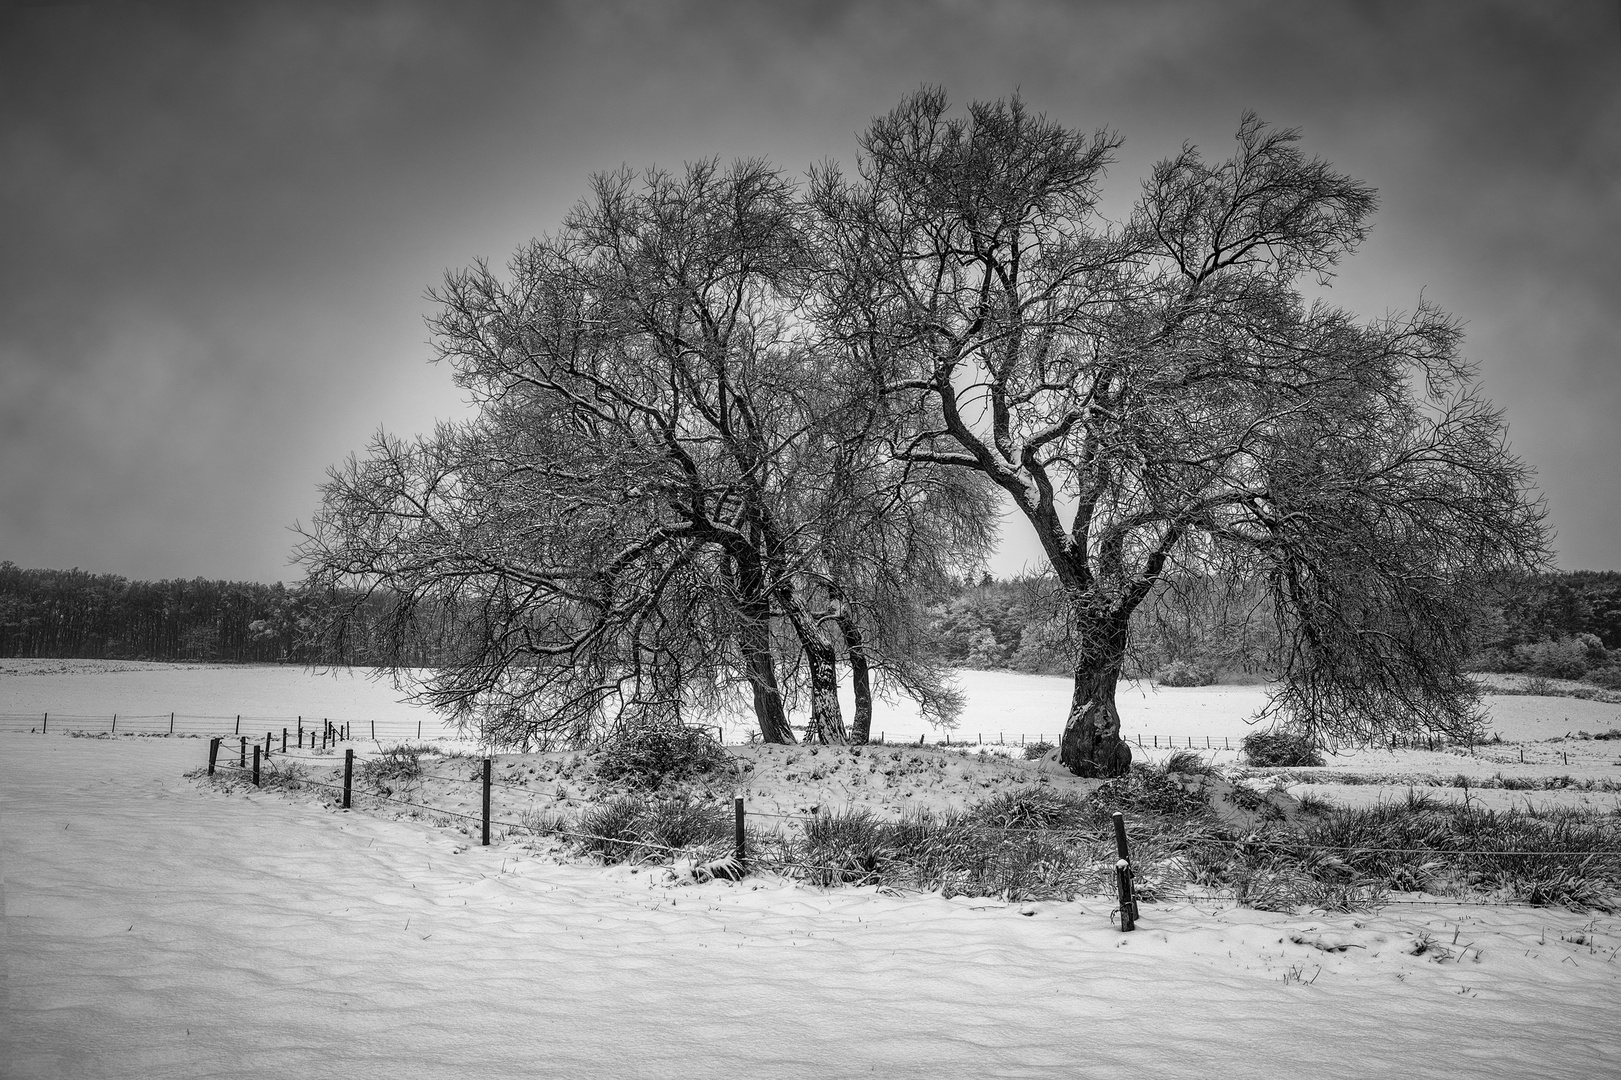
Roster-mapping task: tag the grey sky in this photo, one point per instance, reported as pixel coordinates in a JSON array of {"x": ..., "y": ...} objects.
[{"x": 217, "y": 221}]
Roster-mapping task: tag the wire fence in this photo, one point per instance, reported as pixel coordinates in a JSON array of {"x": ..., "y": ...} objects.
[
  {"x": 375, "y": 730},
  {"x": 783, "y": 861}
]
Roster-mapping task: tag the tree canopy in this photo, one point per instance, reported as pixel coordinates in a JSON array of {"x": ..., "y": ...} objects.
[{"x": 726, "y": 424}]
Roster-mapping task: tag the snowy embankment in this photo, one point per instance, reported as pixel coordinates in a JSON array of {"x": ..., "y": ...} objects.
[{"x": 157, "y": 929}]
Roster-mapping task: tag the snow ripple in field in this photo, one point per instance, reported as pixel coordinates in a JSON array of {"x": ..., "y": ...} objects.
[{"x": 157, "y": 930}]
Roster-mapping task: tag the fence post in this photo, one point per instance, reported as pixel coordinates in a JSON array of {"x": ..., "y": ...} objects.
[
  {"x": 242, "y": 753},
  {"x": 213, "y": 752},
  {"x": 45, "y": 725},
  {"x": 348, "y": 775},
  {"x": 284, "y": 740},
  {"x": 115, "y": 723},
  {"x": 171, "y": 723},
  {"x": 419, "y": 729},
  {"x": 268, "y": 735},
  {"x": 1122, "y": 873},
  {"x": 486, "y": 802},
  {"x": 238, "y": 730},
  {"x": 374, "y": 731},
  {"x": 255, "y": 764},
  {"x": 738, "y": 834}
]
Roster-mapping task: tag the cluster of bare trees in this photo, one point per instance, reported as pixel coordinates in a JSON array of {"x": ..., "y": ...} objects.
[{"x": 728, "y": 426}]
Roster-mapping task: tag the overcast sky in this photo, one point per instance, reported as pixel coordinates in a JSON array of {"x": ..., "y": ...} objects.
[{"x": 217, "y": 221}]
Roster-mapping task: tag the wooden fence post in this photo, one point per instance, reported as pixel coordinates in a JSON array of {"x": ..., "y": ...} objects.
[
  {"x": 115, "y": 723},
  {"x": 1122, "y": 873},
  {"x": 268, "y": 734},
  {"x": 238, "y": 730},
  {"x": 171, "y": 723},
  {"x": 255, "y": 764},
  {"x": 242, "y": 753},
  {"x": 213, "y": 752},
  {"x": 738, "y": 834},
  {"x": 45, "y": 725},
  {"x": 486, "y": 802},
  {"x": 374, "y": 731},
  {"x": 284, "y": 740},
  {"x": 348, "y": 775}
]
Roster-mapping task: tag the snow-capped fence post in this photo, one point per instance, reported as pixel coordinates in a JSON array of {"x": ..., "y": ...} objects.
[
  {"x": 255, "y": 764},
  {"x": 486, "y": 840},
  {"x": 738, "y": 834},
  {"x": 213, "y": 753},
  {"x": 348, "y": 775},
  {"x": 1122, "y": 874}
]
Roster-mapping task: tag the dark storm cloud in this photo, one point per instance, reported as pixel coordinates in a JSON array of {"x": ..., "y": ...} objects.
[{"x": 218, "y": 220}]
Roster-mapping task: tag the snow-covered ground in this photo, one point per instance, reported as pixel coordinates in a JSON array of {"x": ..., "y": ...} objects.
[
  {"x": 157, "y": 929},
  {"x": 1001, "y": 705}
]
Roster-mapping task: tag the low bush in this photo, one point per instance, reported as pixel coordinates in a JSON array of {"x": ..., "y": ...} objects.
[
  {"x": 651, "y": 755},
  {"x": 1037, "y": 750},
  {"x": 1280, "y": 749},
  {"x": 1183, "y": 673}
]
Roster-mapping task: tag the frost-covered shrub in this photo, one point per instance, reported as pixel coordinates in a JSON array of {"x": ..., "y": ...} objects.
[
  {"x": 1280, "y": 749},
  {"x": 652, "y": 753},
  {"x": 1565, "y": 658},
  {"x": 1183, "y": 673}
]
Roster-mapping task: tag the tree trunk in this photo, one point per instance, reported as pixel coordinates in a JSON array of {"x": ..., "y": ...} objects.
[
  {"x": 827, "y": 716},
  {"x": 755, "y": 642},
  {"x": 855, "y": 646},
  {"x": 1092, "y": 745}
]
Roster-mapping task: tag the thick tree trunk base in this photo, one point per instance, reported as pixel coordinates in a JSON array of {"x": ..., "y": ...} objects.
[{"x": 1092, "y": 745}]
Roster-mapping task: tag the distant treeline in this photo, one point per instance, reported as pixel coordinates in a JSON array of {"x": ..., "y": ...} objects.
[
  {"x": 1565, "y": 625},
  {"x": 73, "y": 614},
  {"x": 1556, "y": 624}
]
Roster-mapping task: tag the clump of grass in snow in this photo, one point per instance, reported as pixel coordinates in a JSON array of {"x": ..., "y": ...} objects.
[
  {"x": 1037, "y": 750},
  {"x": 1189, "y": 762},
  {"x": 642, "y": 828},
  {"x": 396, "y": 767}
]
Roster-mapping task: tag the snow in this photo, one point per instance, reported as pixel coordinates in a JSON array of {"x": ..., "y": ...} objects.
[{"x": 159, "y": 929}]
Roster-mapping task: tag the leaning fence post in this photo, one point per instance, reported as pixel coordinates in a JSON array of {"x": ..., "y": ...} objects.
[
  {"x": 738, "y": 834},
  {"x": 486, "y": 802},
  {"x": 171, "y": 723},
  {"x": 45, "y": 725},
  {"x": 1122, "y": 874},
  {"x": 213, "y": 752},
  {"x": 348, "y": 775},
  {"x": 115, "y": 723},
  {"x": 255, "y": 764},
  {"x": 238, "y": 730}
]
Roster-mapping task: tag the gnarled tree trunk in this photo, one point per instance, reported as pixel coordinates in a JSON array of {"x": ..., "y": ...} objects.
[{"x": 1092, "y": 745}]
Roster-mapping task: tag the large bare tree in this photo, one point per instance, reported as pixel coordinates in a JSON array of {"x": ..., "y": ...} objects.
[
  {"x": 666, "y": 489},
  {"x": 1160, "y": 396}
]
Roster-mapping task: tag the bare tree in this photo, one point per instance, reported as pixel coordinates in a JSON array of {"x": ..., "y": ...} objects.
[
  {"x": 648, "y": 509},
  {"x": 1160, "y": 396}
]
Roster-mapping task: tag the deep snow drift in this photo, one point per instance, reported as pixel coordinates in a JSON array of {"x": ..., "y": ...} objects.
[{"x": 156, "y": 929}]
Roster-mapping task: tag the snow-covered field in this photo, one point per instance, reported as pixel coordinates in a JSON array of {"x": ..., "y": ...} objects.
[
  {"x": 1001, "y": 705},
  {"x": 154, "y": 928}
]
